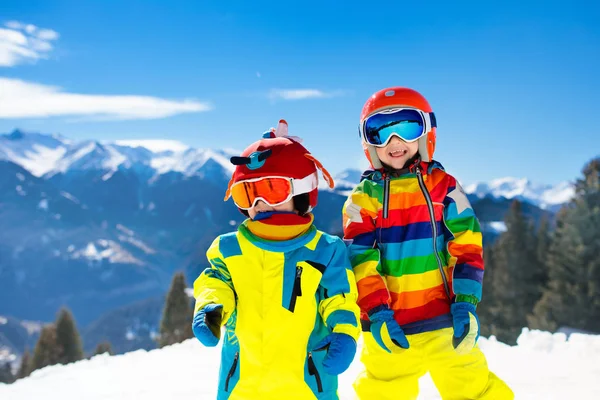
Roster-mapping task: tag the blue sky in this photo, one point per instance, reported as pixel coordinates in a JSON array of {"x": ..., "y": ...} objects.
[{"x": 514, "y": 86}]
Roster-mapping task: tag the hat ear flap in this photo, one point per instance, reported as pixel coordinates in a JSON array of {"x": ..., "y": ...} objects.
[
  {"x": 326, "y": 174},
  {"x": 228, "y": 191}
]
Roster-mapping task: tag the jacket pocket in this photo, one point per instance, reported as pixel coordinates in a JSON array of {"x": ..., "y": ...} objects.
[
  {"x": 313, "y": 371},
  {"x": 231, "y": 370}
]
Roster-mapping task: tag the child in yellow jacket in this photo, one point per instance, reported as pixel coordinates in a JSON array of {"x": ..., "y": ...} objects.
[
  {"x": 415, "y": 246},
  {"x": 284, "y": 291}
]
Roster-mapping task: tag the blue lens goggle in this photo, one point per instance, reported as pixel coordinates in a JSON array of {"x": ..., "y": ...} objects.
[{"x": 409, "y": 124}]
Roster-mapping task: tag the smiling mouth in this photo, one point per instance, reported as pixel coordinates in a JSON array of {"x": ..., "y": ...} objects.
[{"x": 398, "y": 153}]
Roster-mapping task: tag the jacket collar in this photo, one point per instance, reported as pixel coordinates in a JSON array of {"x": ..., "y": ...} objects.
[{"x": 378, "y": 174}]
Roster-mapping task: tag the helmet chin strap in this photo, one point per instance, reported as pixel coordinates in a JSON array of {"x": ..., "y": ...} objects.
[{"x": 423, "y": 148}]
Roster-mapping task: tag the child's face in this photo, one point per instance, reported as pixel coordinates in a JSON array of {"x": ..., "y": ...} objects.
[
  {"x": 261, "y": 206},
  {"x": 397, "y": 152}
]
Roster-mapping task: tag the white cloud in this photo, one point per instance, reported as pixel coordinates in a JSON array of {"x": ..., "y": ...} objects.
[
  {"x": 300, "y": 94},
  {"x": 21, "y": 43},
  {"x": 21, "y": 99},
  {"x": 47, "y": 34}
]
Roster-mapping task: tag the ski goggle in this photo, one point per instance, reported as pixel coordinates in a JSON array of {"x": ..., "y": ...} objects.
[
  {"x": 408, "y": 123},
  {"x": 273, "y": 190}
]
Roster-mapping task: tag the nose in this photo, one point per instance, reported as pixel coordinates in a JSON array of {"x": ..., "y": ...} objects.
[
  {"x": 261, "y": 206},
  {"x": 395, "y": 139}
]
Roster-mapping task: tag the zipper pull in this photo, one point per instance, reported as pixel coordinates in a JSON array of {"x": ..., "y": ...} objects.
[
  {"x": 420, "y": 173},
  {"x": 298, "y": 283}
]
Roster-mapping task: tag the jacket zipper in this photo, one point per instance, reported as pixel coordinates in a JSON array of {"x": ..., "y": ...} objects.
[
  {"x": 386, "y": 195},
  {"x": 433, "y": 229},
  {"x": 297, "y": 289},
  {"x": 231, "y": 370},
  {"x": 312, "y": 370}
]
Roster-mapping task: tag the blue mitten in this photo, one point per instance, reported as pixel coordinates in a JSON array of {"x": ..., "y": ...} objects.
[
  {"x": 207, "y": 324},
  {"x": 386, "y": 331},
  {"x": 466, "y": 326},
  {"x": 341, "y": 349}
]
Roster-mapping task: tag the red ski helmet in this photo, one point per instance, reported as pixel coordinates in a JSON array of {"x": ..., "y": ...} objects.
[{"x": 395, "y": 97}]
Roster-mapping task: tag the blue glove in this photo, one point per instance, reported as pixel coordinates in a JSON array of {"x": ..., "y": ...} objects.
[
  {"x": 386, "y": 331},
  {"x": 341, "y": 349},
  {"x": 466, "y": 326},
  {"x": 207, "y": 324}
]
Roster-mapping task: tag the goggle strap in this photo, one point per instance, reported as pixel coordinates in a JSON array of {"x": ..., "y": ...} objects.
[{"x": 326, "y": 174}]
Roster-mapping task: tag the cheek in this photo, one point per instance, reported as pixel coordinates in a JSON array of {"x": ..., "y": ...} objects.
[
  {"x": 414, "y": 147},
  {"x": 381, "y": 153},
  {"x": 289, "y": 206}
]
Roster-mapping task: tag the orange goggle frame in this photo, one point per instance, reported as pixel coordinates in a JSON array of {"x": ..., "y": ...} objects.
[{"x": 273, "y": 190}]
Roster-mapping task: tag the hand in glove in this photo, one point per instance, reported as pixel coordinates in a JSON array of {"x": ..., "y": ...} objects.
[
  {"x": 466, "y": 326},
  {"x": 386, "y": 331},
  {"x": 341, "y": 349},
  {"x": 207, "y": 324}
]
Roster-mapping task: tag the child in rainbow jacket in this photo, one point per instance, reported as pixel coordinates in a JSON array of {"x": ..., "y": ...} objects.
[{"x": 416, "y": 248}]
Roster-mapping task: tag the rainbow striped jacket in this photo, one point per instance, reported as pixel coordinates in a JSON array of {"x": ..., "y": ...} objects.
[{"x": 415, "y": 245}]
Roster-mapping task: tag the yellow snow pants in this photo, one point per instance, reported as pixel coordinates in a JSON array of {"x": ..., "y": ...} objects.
[{"x": 396, "y": 376}]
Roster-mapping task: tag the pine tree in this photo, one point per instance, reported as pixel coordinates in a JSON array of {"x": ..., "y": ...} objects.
[
  {"x": 176, "y": 323},
  {"x": 516, "y": 277},
  {"x": 68, "y": 338},
  {"x": 542, "y": 251},
  {"x": 6, "y": 375},
  {"x": 25, "y": 367},
  {"x": 47, "y": 351},
  {"x": 572, "y": 297},
  {"x": 543, "y": 241},
  {"x": 103, "y": 347}
]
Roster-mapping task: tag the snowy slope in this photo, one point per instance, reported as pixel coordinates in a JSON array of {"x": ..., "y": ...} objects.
[{"x": 542, "y": 366}]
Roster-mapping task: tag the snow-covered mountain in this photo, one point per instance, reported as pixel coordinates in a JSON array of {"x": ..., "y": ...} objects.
[
  {"x": 96, "y": 225},
  {"x": 49, "y": 155},
  {"x": 541, "y": 366},
  {"x": 15, "y": 335},
  {"x": 544, "y": 196},
  {"x": 195, "y": 162},
  {"x": 346, "y": 180},
  {"x": 38, "y": 153},
  {"x": 547, "y": 197}
]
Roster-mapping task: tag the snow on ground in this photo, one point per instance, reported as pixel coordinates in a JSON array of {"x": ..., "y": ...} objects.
[{"x": 541, "y": 366}]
